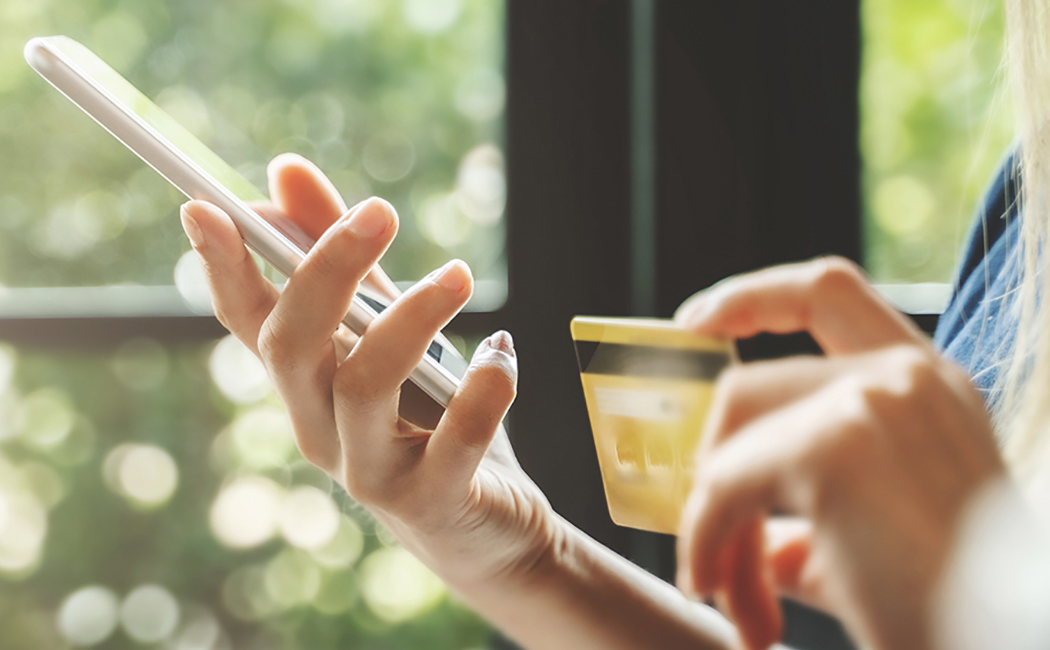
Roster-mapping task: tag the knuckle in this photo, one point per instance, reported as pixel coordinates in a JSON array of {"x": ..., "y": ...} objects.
[
  {"x": 836, "y": 274},
  {"x": 273, "y": 348},
  {"x": 908, "y": 373},
  {"x": 918, "y": 366},
  {"x": 715, "y": 483},
  {"x": 330, "y": 257},
  {"x": 730, "y": 402},
  {"x": 851, "y": 434},
  {"x": 360, "y": 488},
  {"x": 353, "y": 383}
]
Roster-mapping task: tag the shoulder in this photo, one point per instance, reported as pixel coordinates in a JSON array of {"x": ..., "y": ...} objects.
[{"x": 978, "y": 322}]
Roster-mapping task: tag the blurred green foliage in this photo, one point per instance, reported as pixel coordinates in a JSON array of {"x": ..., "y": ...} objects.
[
  {"x": 152, "y": 496},
  {"x": 389, "y": 98},
  {"x": 935, "y": 121},
  {"x": 294, "y": 565}
]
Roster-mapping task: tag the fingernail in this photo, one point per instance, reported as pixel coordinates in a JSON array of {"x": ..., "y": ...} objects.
[
  {"x": 501, "y": 341},
  {"x": 498, "y": 349},
  {"x": 370, "y": 220},
  {"x": 193, "y": 231},
  {"x": 454, "y": 276}
]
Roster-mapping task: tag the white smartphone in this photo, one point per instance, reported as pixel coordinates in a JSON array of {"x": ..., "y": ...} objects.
[{"x": 199, "y": 173}]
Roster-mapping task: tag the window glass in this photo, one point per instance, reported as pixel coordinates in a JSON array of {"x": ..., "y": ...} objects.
[
  {"x": 153, "y": 497},
  {"x": 399, "y": 99},
  {"x": 935, "y": 122}
]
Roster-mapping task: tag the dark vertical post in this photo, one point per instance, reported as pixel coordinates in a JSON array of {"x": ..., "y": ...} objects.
[
  {"x": 757, "y": 155},
  {"x": 569, "y": 212}
]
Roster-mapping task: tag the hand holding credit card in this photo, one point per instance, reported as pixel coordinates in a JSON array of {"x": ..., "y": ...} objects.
[{"x": 648, "y": 384}]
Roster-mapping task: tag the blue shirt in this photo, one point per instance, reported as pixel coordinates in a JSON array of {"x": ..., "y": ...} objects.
[{"x": 977, "y": 329}]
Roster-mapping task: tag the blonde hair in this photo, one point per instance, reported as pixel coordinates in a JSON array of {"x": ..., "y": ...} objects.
[{"x": 1023, "y": 412}]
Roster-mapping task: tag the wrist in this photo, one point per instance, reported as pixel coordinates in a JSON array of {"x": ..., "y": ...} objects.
[{"x": 534, "y": 568}]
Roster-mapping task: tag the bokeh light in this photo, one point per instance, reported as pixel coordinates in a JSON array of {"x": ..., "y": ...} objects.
[
  {"x": 481, "y": 187},
  {"x": 344, "y": 548},
  {"x": 23, "y": 533},
  {"x": 347, "y": 16},
  {"x": 338, "y": 594},
  {"x": 149, "y": 614},
  {"x": 47, "y": 418},
  {"x": 145, "y": 475},
  {"x": 42, "y": 481},
  {"x": 262, "y": 438},
  {"x": 480, "y": 94},
  {"x": 309, "y": 518},
  {"x": 444, "y": 222},
  {"x": 237, "y": 372},
  {"x": 245, "y": 596},
  {"x": 246, "y": 512},
  {"x": 397, "y": 587},
  {"x": 388, "y": 156},
  {"x": 8, "y": 363},
  {"x": 5, "y": 512},
  {"x": 431, "y": 16},
  {"x": 192, "y": 282},
  {"x": 200, "y": 631},
  {"x": 88, "y": 616},
  {"x": 292, "y": 578}
]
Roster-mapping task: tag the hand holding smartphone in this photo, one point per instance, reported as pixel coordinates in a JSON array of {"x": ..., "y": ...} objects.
[{"x": 199, "y": 173}]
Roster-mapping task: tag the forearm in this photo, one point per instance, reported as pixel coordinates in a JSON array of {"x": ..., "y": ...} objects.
[{"x": 582, "y": 595}]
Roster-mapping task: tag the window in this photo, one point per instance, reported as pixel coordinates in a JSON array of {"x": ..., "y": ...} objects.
[
  {"x": 935, "y": 121},
  {"x": 127, "y": 472}
]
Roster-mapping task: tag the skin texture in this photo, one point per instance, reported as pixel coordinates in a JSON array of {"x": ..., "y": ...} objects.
[
  {"x": 877, "y": 448},
  {"x": 446, "y": 484}
]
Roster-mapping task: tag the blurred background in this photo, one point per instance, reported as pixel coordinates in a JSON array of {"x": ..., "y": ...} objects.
[{"x": 150, "y": 491}]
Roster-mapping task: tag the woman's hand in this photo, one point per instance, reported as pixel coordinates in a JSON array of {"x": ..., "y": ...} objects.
[
  {"x": 878, "y": 447},
  {"x": 446, "y": 484}
]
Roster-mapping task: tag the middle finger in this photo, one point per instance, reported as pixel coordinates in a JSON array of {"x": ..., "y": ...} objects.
[{"x": 319, "y": 292}]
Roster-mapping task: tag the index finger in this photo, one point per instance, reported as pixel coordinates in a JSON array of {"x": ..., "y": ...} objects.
[{"x": 828, "y": 297}]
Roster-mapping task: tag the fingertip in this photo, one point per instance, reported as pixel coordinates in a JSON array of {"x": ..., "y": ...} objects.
[
  {"x": 211, "y": 231},
  {"x": 748, "y": 590},
  {"x": 191, "y": 227},
  {"x": 498, "y": 350},
  {"x": 284, "y": 160},
  {"x": 502, "y": 341},
  {"x": 685, "y": 311},
  {"x": 454, "y": 276},
  {"x": 304, "y": 193},
  {"x": 372, "y": 217}
]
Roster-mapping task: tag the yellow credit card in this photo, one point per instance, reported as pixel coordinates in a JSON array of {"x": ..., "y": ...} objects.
[{"x": 648, "y": 384}]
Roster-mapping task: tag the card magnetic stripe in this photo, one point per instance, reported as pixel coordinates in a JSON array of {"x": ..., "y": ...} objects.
[{"x": 649, "y": 361}]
